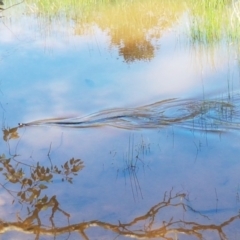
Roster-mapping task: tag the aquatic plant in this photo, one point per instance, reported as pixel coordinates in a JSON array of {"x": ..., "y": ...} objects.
[{"x": 211, "y": 21}]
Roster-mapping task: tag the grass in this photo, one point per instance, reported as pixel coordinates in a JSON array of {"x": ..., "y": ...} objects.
[{"x": 212, "y": 21}]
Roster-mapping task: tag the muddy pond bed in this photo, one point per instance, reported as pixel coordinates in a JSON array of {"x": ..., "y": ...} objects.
[{"x": 120, "y": 119}]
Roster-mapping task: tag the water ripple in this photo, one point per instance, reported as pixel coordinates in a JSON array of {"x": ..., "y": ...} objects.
[{"x": 210, "y": 115}]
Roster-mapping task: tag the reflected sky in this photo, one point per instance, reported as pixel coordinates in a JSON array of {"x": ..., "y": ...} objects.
[
  {"x": 83, "y": 76},
  {"x": 126, "y": 173},
  {"x": 124, "y": 178}
]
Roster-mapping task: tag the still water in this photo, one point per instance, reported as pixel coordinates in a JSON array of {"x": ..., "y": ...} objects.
[{"x": 110, "y": 137}]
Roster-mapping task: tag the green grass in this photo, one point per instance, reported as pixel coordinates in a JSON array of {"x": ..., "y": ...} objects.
[{"x": 212, "y": 21}]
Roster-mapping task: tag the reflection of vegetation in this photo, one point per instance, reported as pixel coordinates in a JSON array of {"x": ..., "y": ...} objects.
[
  {"x": 29, "y": 186},
  {"x": 33, "y": 183},
  {"x": 131, "y": 168},
  {"x": 131, "y": 25},
  {"x": 29, "y": 191},
  {"x": 144, "y": 226},
  {"x": 10, "y": 133},
  {"x": 133, "y": 160}
]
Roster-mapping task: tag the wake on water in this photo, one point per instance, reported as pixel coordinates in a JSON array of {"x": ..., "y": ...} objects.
[{"x": 208, "y": 115}]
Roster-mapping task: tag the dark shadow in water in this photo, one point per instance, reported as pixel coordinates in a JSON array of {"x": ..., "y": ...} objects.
[{"x": 207, "y": 115}]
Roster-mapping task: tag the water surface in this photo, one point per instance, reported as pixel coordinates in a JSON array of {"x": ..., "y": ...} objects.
[{"x": 119, "y": 137}]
